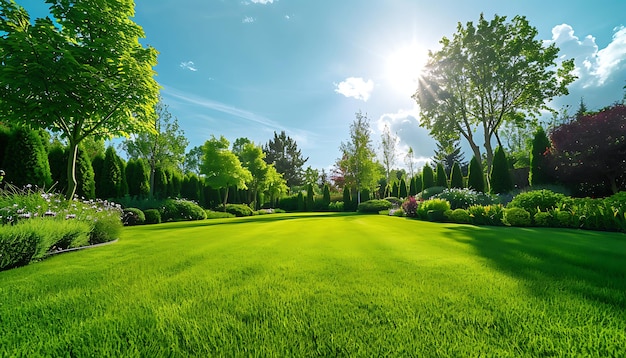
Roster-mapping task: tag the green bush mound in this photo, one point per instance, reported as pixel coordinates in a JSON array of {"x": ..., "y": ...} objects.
[
  {"x": 133, "y": 216},
  {"x": 537, "y": 200},
  {"x": 153, "y": 216},
  {"x": 336, "y": 206},
  {"x": 239, "y": 210},
  {"x": 430, "y": 192},
  {"x": 464, "y": 198},
  {"x": 517, "y": 217},
  {"x": 460, "y": 216},
  {"x": 374, "y": 206},
  {"x": 181, "y": 210}
]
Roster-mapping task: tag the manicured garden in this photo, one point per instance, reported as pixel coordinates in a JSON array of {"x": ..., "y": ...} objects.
[{"x": 323, "y": 284}]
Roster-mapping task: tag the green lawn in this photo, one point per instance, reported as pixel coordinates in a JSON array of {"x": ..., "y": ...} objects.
[{"x": 323, "y": 285}]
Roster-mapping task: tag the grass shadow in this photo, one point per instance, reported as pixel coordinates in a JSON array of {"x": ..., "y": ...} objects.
[{"x": 549, "y": 261}]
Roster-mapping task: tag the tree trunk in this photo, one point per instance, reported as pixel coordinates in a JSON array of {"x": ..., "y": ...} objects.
[
  {"x": 225, "y": 198},
  {"x": 71, "y": 170}
]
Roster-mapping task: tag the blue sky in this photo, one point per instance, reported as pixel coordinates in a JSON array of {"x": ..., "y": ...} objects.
[{"x": 247, "y": 68}]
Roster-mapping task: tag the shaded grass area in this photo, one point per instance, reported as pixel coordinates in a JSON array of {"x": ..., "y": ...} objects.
[{"x": 323, "y": 285}]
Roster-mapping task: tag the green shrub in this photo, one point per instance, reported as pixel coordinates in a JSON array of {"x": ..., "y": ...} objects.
[
  {"x": 442, "y": 177},
  {"x": 18, "y": 245},
  {"x": 456, "y": 176},
  {"x": 239, "y": 210},
  {"x": 543, "y": 218},
  {"x": 428, "y": 177},
  {"x": 516, "y": 217},
  {"x": 460, "y": 216},
  {"x": 26, "y": 160},
  {"x": 538, "y": 167},
  {"x": 325, "y": 197},
  {"x": 564, "y": 219},
  {"x": 105, "y": 227},
  {"x": 430, "y": 192},
  {"x": 477, "y": 214},
  {"x": 180, "y": 210},
  {"x": 301, "y": 205},
  {"x": 374, "y": 206},
  {"x": 464, "y": 198},
  {"x": 433, "y": 209},
  {"x": 394, "y": 201},
  {"x": 218, "y": 215},
  {"x": 537, "y": 200},
  {"x": 153, "y": 216},
  {"x": 288, "y": 203},
  {"x": 501, "y": 181},
  {"x": 133, "y": 216},
  {"x": 495, "y": 215},
  {"x": 336, "y": 206}
]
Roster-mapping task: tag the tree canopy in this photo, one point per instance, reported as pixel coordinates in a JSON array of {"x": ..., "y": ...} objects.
[
  {"x": 487, "y": 74},
  {"x": 83, "y": 74},
  {"x": 283, "y": 152}
]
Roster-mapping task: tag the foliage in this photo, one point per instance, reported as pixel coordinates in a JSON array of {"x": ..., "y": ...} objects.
[
  {"x": 542, "y": 218},
  {"x": 105, "y": 228},
  {"x": 500, "y": 177},
  {"x": 488, "y": 74},
  {"x": 537, "y": 200},
  {"x": 359, "y": 157},
  {"x": 475, "y": 179},
  {"x": 442, "y": 178},
  {"x": 428, "y": 177},
  {"x": 25, "y": 159},
  {"x": 410, "y": 207},
  {"x": 326, "y": 197},
  {"x": 337, "y": 206},
  {"x": 373, "y": 206},
  {"x": 464, "y": 198},
  {"x": 153, "y": 216},
  {"x": 222, "y": 168},
  {"x": 310, "y": 198},
  {"x": 394, "y": 201},
  {"x": 288, "y": 203},
  {"x": 138, "y": 178},
  {"x": 591, "y": 149},
  {"x": 181, "y": 210},
  {"x": 430, "y": 192},
  {"x": 460, "y": 216},
  {"x": 434, "y": 204},
  {"x": 388, "y": 145},
  {"x": 133, "y": 216},
  {"x": 110, "y": 184},
  {"x": 347, "y": 200},
  {"x": 80, "y": 78},
  {"x": 487, "y": 215},
  {"x": 253, "y": 159},
  {"x": 456, "y": 176},
  {"x": 516, "y": 217},
  {"x": 283, "y": 152},
  {"x": 539, "y": 171},
  {"x": 239, "y": 210},
  {"x": 218, "y": 215},
  {"x": 447, "y": 153},
  {"x": 402, "y": 192},
  {"x": 301, "y": 204},
  {"x": 163, "y": 145}
]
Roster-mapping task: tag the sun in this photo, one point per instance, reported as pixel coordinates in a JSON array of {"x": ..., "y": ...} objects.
[{"x": 403, "y": 68}]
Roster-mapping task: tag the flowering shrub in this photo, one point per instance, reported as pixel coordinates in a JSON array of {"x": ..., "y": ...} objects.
[
  {"x": 133, "y": 216},
  {"x": 464, "y": 198},
  {"x": 180, "y": 210},
  {"x": 410, "y": 207}
]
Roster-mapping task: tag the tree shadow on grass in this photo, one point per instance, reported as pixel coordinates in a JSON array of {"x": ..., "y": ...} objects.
[{"x": 585, "y": 263}]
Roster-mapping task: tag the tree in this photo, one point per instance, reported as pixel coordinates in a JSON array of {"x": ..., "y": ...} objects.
[
  {"x": 539, "y": 171},
  {"x": 191, "y": 187},
  {"x": 475, "y": 178},
  {"x": 409, "y": 160},
  {"x": 456, "y": 177},
  {"x": 222, "y": 168},
  {"x": 111, "y": 185},
  {"x": 193, "y": 160},
  {"x": 441, "y": 178},
  {"x": 388, "y": 145},
  {"x": 85, "y": 74},
  {"x": 274, "y": 185},
  {"x": 310, "y": 197},
  {"x": 26, "y": 160},
  {"x": 163, "y": 146},
  {"x": 347, "y": 199},
  {"x": 138, "y": 178},
  {"x": 488, "y": 74},
  {"x": 311, "y": 176},
  {"x": 428, "y": 177},
  {"x": 326, "y": 196},
  {"x": 283, "y": 152},
  {"x": 253, "y": 159},
  {"x": 501, "y": 181},
  {"x": 359, "y": 156},
  {"x": 447, "y": 153},
  {"x": 591, "y": 149},
  {"x": 402, "y": 192}
]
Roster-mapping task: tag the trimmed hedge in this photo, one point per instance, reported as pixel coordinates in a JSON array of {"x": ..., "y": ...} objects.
[
  {"x": 153, "y": 216},
  {"x": 517, "y": 217},
  {"x": 180, "y": 210},
  {"x": 239, "y": 210},
  {"x": 133, "y": 216},
  {"x": 374, "y": 206}
]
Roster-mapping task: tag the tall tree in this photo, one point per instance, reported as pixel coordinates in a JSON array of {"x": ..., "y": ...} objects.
[
  {"x": 501, "y": 181},
  {"x": 539, "y": 171},
  {"x": 85, "y": 74},
  {"x": 442, "y": 177},
  {"x": 409, "y": 160},
  {"x": 488, "y": 74},
  {"x": 193, "y": 160},
  {"x": 252, "y": 159},
  {"x": 456, "y": 177},
  {"x": 428, "y": 177},
  {"x": 447, "y": 153},
  {"x": 222, "y": 168},
  {"x": 388, "y": 145},
  {"x": 274, "y": 185},
  {"x": 475, "y": 177},
  {"x": 25, "y": 159},
  {"x": 163, "y": 146},
  {"x": 359, "y": 156},
  {"x": 287, "y": 158}
]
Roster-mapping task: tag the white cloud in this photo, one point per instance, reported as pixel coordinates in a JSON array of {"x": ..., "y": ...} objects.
[
  {"x": 355, "y": 87},
  {"x": 188, "y": 65},
  {"x": 263, "y": 2},
  {"x": 248, "y": 20},
  {"x": 287, "y": 17}
]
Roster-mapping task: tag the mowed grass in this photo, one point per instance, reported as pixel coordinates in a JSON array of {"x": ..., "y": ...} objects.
[{"x": 323, "y": 285}]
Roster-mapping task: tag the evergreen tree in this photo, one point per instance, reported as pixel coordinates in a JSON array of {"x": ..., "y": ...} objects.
[
  {"x": 287, "y": 158},
  {"x": 301, "y": 206},
  {"x": 402, "y": 192},
  {"x": 57, "y": 159},
  {"x": 191, "y": 187},
  {"x": 326, "y": 196},
  {"x": 476, "y": 179},
  {"x": 111, "y": 185},
  {"x": 395, "y": 189},
  {"x": 538, "y": 166},
  {"x": 501, "y": 181},
  {"x": 442, "y": 178},
  {"x": 5, "y": 135},
  {"x": 98, "y": 166},
  {"x": 447, "y": 153},
  {"x": 418, "y": 184},
  {"x": 428, "y": 180},
  {"x": 160, "y": 183},
  {"x": 456, "y": 177},
  {"x": 138, "y": 178},
  {"x": 413, "y": 186},
  {"x": 86, "y": 184},
  {"x": 347, "y": 199},
  {"x": 26, "y": 160}
]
